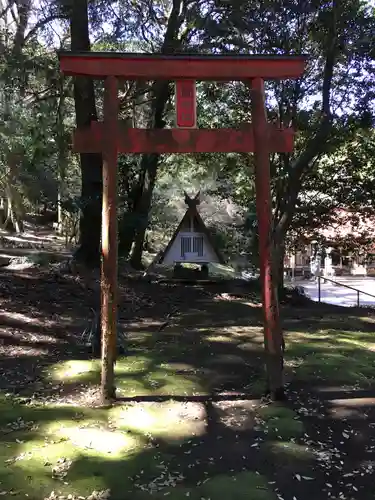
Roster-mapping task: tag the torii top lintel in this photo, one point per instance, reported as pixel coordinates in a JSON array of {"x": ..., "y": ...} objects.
[{"x": 133, "y": 66}]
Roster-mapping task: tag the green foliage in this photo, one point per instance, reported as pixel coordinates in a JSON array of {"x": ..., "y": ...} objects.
[
  {"x": 331, "y": 166},
  {"x": 335, "y": 38},
  {"x": 30, "y": 94}
]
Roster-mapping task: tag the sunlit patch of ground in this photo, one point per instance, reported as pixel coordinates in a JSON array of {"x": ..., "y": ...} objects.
[
  {"x": 332, "y": 356},
  {"x": 41, "y": 445},
  {"x": 220, "y": 338},
  {"x": 170, "y": 420},
  {"x": 20, "y": 318},
  {"x": 135, "y": 376},
  {"x": 75, "y": 451},
  {"x": 77, "y": 370},
  {"x": 94, "y": 436},
  {"x": 89, "y": 370},
  {"x": 237, "y": 415}
]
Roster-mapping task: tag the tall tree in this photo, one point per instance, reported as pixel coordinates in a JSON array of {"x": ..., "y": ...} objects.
[
  {"x": 19, "y": 59},
  {"x": 160, "y": 93},
  {"x": 334, "y": 89},
  {"x": 88, "y": 251}
]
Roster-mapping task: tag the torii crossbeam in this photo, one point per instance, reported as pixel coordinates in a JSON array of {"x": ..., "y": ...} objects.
[{"x": 112, "y": 137}]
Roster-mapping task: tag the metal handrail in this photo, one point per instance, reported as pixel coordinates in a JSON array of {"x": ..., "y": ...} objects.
[{"x": 341, "y": 284}]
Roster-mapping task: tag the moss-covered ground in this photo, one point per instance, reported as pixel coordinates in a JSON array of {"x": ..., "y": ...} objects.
[{"x": 190, "y": 421}]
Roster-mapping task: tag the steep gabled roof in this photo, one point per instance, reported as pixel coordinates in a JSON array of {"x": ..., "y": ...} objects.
[{"x": 191, "y": 212}]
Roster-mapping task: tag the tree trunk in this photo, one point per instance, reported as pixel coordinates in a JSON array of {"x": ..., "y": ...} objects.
[
  {"x": 288, "y": 195},
  {"x": 279, "y": 256},
  {"x": 129, "y": 219},
  {"x": 24, "y": 10},
  {"x": 62, "y": 158},
  {"x": 126, "y": 234},
  {"x": 91, "y": 164},
  {"x": 14, "y": 221},
  {"x": 16, "y": 211},
  {"x": 137, "y": 251},
  {"x": 149, "y": 164},
  {"x": 3, "y": 211},
  {"x": 149, "y": 179}
]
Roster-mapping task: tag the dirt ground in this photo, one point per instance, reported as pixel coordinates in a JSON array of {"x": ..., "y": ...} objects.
[
  {"x": 195, "y": 356},
  {"x": 43, "y": 314}
]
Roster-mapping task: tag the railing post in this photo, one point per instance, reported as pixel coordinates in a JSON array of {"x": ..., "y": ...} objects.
[
  {"x": 319, "y": 290},
  {"x": 340, "y": 284}
]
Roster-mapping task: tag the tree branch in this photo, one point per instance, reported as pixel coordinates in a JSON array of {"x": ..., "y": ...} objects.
[
  {"x": 41, "y": 23},
  {"x": 317, "y": 143},
  {"x": 24, "y": 8},
  {"x": 5, "y": 9}
]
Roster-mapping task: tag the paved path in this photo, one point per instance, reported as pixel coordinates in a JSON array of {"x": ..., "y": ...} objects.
[{"x": 339, "y": 295}]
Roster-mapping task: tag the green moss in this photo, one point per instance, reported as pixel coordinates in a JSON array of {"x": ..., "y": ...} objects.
[
  {"x": 332, "y": 356},
  {"x": 36, "y": 439},
  {"x": 159, "y": 420},
  {"x": 135, "y": 376},
  {"x": 244, "y": 486},
  {"x": 280, "y": 422},
  {"x": 288, "y": 451},
  {"x": 109, "y": 448},
  {"x": 176, "y": 493}
]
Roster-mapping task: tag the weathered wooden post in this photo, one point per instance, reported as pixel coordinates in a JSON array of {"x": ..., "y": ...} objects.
[
  {"x": 109, "y": 240},
  {"x": 272, "y": 328}
]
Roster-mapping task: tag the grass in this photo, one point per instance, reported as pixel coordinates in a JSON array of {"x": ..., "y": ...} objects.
[
  {"x": 279, "y": 422},
  {"x": 136, "y": 375},
  {"x": 332, "y": 356},
  {"x": 73, "y": 451},
  {"x": 289, "y": 451},
  {"x": 219, "y": 271},
  {"x": 36, "y": 453},
  {"x": 137, "y": 448},
  {"x": 240, "y": 487}
]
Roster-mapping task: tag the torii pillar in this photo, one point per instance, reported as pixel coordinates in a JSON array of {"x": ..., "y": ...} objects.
[{"x": 112, "y": 137}]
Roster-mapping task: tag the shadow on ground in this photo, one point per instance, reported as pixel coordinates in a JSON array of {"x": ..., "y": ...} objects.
[{"x": 189, "y": 422}]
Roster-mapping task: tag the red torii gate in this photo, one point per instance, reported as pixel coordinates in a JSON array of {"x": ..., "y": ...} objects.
[{"x": 112, "y": 137}]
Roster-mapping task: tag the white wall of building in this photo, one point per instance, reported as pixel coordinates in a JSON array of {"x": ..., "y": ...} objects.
[{"x": 174, "y": 253}]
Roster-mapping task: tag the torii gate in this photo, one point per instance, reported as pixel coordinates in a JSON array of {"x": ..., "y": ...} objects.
[{"x": 112, "y": 137}]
